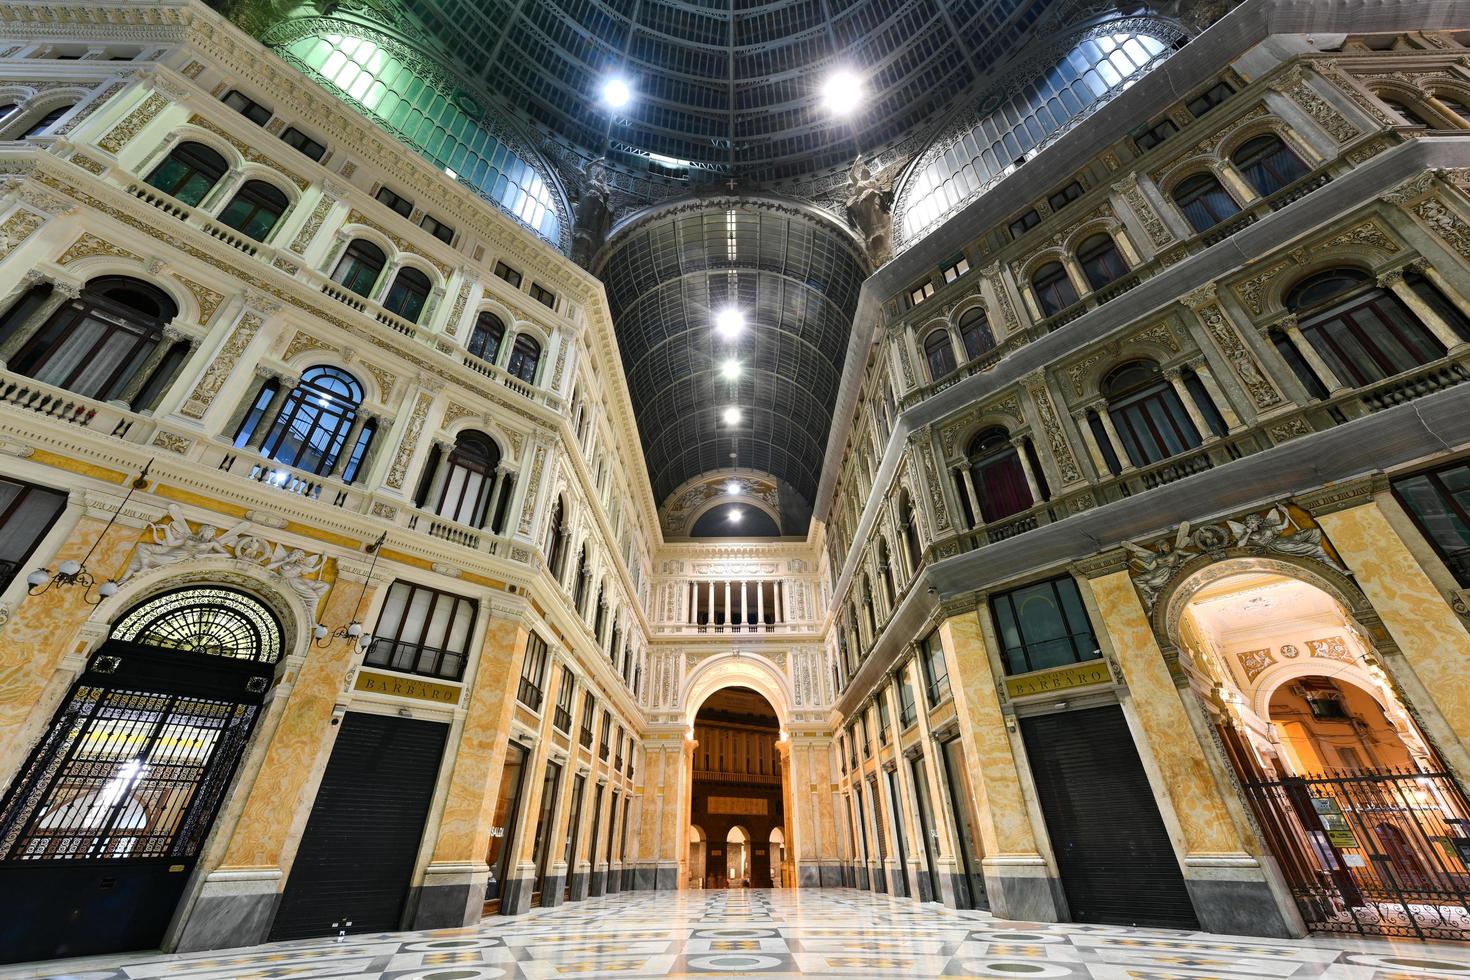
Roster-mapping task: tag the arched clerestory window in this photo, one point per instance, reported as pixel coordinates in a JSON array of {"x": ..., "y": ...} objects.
[
  {"x": 938, "y": 353},
  {"x": 409, "y": 294},
  {"x": 1054, "y": 289},
  {"x": 486, "y": 336},
  {"x": 1101, "y": 261},
  {"x": 255, "y": 209},
  {"x": 525, "y": 356},
  {"x": 311, "y": 428},
  {"x": 360, "y": 266},
  {"x": 1267, "y": 164},
  {"x": 1365, "y": 333},
  {"x": 189, "y": 172}
]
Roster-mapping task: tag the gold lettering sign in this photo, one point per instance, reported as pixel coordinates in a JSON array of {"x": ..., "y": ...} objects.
[
  {"x": 737, "y": 806},
  {"x": 1059, "y": 679},
  {"x": 406, "y": 687}
]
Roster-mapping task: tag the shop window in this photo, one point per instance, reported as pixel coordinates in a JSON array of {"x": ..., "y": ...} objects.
[
  {"x": 1054, "y": 289},
  {"x": 1042, "y": 626},
  {"x": 26, "y": 514},
  {"x": 1148, "y": 413},
  {"x": 975, "y": 333},
  {"x": 533, "y": 673},
  {"x": 409, "y": 294},
  {"x": 1030, "y": 219},
  {"x": 394, "y": 202},
  {"x": 1204, "y": 202},
  {"x": 486, "y": 337},
  {"x": 188, "y": 173},
  {"x": 247, "y": 107},
  {"x": 525, "y": 355},
  {"x": 1267, "y": 164},
  {"x": 998, "y": 476},
  {"x": 1363, "y": 332},
  {"x": 360, "y": 266},
  {"x": 1151, "y": 136},
  {"x": 1209, "y": 99},
  {"x": 1064, "y": 196},
  {"x": 423, "y": 631},
  {"x": 255, "y": 209},
  {"x": 1101, "y": 261},
  {"x": 298, "y": 140},
  {"x": 939, "y": 354},
  {"x": 1439, "y": 503}
]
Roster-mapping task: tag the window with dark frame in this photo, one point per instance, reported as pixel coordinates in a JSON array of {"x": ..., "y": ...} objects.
[
  {"x": 602, "y": 746},
  {"x": 1209, "y": 98},
  {"x": 1043, "y": 625},
  {"x": 508, "y": 274},
  {"x": 437, "y": 228},
  {"x": 589, "y": 708},
  {"x": 395, "y": 202},
  {"x": 955, "y": 268},
  {"x": 543, "y": 295},
  {"x": 907, "y": 710},
  {"x": 936, "y": 671},
  {"x": 1151, "y": 136},
  {"x": 27, "y": 512},
  {"x": 299, "y": 141},
  {"x": 247, "y": 107},
  {"x": 533, "y": 673},
  {"x": 1438, "y": 501},
  {"x": 884, "y": 722},
  {"x": 423, "y": 631},
  {"x": 920, "y": 293},
  {"x": 1064, "y": 196},
  {"x": 1030, "y": 219},
  {"x": 561, "y": 719},
  {"x": 618, "y": 752}
]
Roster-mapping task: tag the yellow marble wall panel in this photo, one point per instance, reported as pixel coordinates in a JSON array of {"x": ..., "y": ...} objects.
[
  {"x": 1433, "y": 641},
  {"x": 469, "y": 805},
  {"x": 1195, "y": 796},
  {"x": 41, "y": 631},
  {"x": 1005, "y": 823},
  {"x": 303, "y": 734}
]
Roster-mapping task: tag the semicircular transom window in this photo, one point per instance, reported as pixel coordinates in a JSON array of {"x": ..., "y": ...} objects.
[{"x": 212, "y": 621}]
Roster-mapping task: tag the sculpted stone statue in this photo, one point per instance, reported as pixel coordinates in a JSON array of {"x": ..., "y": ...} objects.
[
  {"x": 1275, "y": 531},
  {"x": 174, "y": 542},
  {"x": 868, "y": 210},
  {"x": 293, "y": 566},
  {"x": 594, "y": 214},
  {"x": 1152, "y": 570}
]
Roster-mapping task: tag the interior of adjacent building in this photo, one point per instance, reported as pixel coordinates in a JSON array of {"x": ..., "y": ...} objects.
[{"x": 508, "y": 488}]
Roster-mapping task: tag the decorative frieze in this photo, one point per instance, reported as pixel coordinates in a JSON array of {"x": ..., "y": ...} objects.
[
  {"x": 222, "y": 366},
  {"x": 20, "y": 225},
  {"x": 399, "y": 470},
  {"x": 132, "y": 124},
  {"x": 1051, "y": 425}
]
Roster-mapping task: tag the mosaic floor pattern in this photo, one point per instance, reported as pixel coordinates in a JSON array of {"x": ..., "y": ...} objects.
[{"x": 836, "y": 933}]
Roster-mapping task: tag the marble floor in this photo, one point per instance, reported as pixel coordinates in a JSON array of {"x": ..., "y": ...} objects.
[{"x": 813, "y": 933}]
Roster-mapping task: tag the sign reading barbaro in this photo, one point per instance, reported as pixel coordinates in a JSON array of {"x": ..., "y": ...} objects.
[
  {"x": 372, "y": 682},
  {"x": 1059, "y": 679}
]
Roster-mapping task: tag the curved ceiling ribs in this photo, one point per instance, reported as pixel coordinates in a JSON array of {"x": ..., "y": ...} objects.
[{"x": 796, "y": 279}]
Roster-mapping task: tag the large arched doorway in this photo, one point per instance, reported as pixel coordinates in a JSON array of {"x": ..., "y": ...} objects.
[
  {"x": 1370, "y": 830},
  {"x": 101, "y": 828},
  {"x": 736, "y": 792}
]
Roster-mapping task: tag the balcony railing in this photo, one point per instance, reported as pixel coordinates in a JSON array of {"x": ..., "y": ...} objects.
[{"x": 46, "y": 400}]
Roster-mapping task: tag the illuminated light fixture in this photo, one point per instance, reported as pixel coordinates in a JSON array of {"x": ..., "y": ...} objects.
[
  {"x": 73, "y": 572},
  {"x": 451, "y": 173},
  {"x": 729, "y": 322},
  {"x": 730, "y": 370},
  {"x": 735, "y": 515},
  {"x": 616, "y": 93},
  {"x": 842, "y": 92},
  {"x": 353, "y": 630},
  {"x": 732, "y": 416},
  {"x": 733, "y": 488}
]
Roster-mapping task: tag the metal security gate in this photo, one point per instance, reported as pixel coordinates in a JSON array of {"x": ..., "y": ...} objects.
[
  {"x": 1383, "y": 853},
  {"x": 106, "y": 819}
]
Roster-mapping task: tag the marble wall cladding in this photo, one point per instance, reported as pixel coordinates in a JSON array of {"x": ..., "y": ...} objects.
[
  {"x": 298, "y": 744},
  {"x": 43, "y": 628},
  {"x": 1433, "y": 640},
  {"x": 469, "y": 804},
  {"x": 1004, "y": 824},
  {"x": 1180, "y": 760}
]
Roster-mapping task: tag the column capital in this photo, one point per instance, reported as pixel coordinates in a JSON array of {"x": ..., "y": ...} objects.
[{"x": 1390, "y": 278}]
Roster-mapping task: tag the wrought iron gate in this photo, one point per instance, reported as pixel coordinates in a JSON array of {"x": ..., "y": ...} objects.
[{"x": 1383, "y": 852}]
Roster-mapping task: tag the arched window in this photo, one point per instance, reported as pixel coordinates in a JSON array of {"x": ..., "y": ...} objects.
[
  {"x": 189, "y": 172},
  {"x": 1100, "y": 260},
  {"x": 998, "y": 476},
  {"x": 255, "y": 209},
  {"x": 360, "y": 266},
  {"x": 96, "y": 344},
  {"x": 46, "y": 121},
  {"x": 975, "y": 333},
  {"x": 556, "y": 539},
  {"x": 1364, "y": 333},
  {"x": 310, "y": 431},
  {"x": 1448, "y": 101},
  {"x": 408, "y": 294},
  {"x": 1054, "y": 289},
  {"x": 938, "y": 354},
  {"x": 1409, "y": 114},
  {"x": 908, "y": 528},
  {"x": 486, "y": 337},
  {"x": 584, "y": 575},
  {"x": 885, "y": 569},
  {"x": 6, "y": 110},
  {"x": 867, "y": 594},
  {"x": 469, "y": 483},
  {"x": 1147, "y": 412},
  {"x": 1267, "y": 164},
  {"x": 207, "y": 620},
  {"x": 525, "y": 355},
  {"x": 1204, "y": 202}
]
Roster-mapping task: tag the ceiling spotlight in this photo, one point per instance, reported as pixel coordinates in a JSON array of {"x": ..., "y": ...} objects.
[
  {"x": 733, "y": 488},
  {"x": 730, "y": 370},
  {"x": 616, "y": 93},
  {"x": 842, "y": 92},
  {"x": 735, "y": 515},
  {"x": 732, "y": 416},
  {"x": 729, "y": 322}
]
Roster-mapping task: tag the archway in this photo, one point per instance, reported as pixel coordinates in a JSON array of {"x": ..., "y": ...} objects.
[
  {"x": 736, "y": 788},
  {"x": 1370, "y": 831},
  {"x": 698, "y": 858},
  {"x": 778, "y": 856}
]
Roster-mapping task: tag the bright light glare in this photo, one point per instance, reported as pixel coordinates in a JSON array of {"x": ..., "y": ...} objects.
[
  {"x": 735, "y": 515},
  {"x": 732, "y": 416},
  {"x": 730, "y": 370},
  {"x": 729, "y": 322},
  {"x": 616, "y": 93},
  {"x": 733, "y": 488},
  {"x": 842, "y": 92}
]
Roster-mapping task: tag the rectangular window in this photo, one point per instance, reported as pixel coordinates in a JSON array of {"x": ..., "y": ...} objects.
[
  {"x": 589, "y": 706},
  {"x": 26, "y": 514},
  {"x": 1065, "y": 196},
  {"x": 907, "y": 712},
  {"x": 533, "y": 673},
  {"x": 1209, "y": 98},
  {"x": 401, "y": 205},
  {"x": 956, "y": 268},
  {"x": 423, "y": 631},
  {"x": 920, "y": 293},
  {"x": 296, "y": 139},
  {"x": 602, "y": 745},
  {"x": 438, "y": 229},
  {"x": 1151, "y": 136},
  {"x": 936, "y": 672},
  {"x": 1043, "y": 625},
  {"x": 247, "y": 107},
  {"x": 1024, "y": 223},
  {"x": 852, "y": 744},
  {"x": 543, "y": 295},
  {"x": 867, "y": 742},
  {"x": 1439, "y": 503},
  {"x": 618, "y": 755},
  {"x": 883, "y": 720},
  {"x": 508, "y": 274},
  {"x": 562, "y": 718}
]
